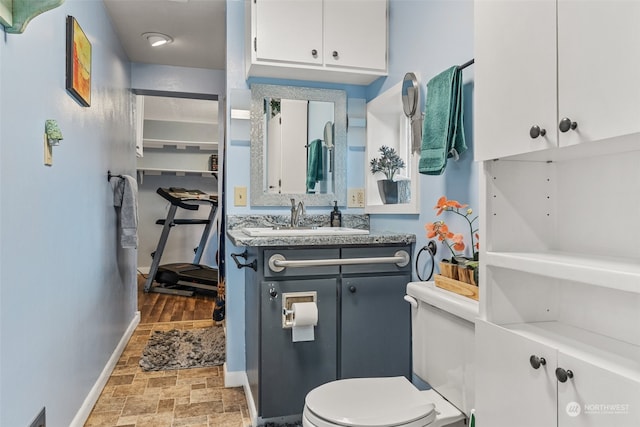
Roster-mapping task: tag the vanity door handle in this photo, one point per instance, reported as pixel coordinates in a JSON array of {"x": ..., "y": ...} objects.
[
  {"x": 314, "y": 53},
  {"x": 352, "y": 289},
  {"x": 335, "y": 54},
  {"x": 535, "y": 131}
]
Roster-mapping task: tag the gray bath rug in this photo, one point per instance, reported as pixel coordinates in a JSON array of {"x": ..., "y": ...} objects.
[{"x": 191, "y": 348}]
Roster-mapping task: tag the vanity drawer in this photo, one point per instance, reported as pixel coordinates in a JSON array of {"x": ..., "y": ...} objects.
[
  {"x": 302, "y": 254},
  {"x": 387, "y": 251}
]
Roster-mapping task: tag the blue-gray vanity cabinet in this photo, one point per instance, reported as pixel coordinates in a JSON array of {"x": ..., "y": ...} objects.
[{"x": 363, "y": 325}]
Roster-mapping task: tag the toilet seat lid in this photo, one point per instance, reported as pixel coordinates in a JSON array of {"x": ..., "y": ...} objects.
[{"x": 370, "y": 402}]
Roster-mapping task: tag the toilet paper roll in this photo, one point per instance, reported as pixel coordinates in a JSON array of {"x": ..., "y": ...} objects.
[{"x": 305, "y": 318}]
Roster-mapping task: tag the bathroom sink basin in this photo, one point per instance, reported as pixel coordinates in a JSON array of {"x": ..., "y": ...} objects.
[{"x": 302, "y": 231}]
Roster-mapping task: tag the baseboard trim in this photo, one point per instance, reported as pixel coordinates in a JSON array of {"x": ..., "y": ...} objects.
[
  {"x": 234, "y": 378},
  {"x": 85, "y": 410},
  {"x": 240, "y": 379}
]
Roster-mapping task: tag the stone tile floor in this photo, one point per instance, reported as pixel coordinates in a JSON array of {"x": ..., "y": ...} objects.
[{"x": 177, "y": 398}]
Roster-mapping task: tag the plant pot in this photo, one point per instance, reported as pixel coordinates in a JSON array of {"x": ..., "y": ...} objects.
[
  {"x": 388, "y": 190},
  {"x": 449, "y": 270}
]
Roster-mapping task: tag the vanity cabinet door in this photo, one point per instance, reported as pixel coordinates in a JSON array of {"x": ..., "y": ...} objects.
[
  {"x": 509, "y": 390},
  {"x": 355, "y": 34},
  {"x": 289, "y": 370},
  {"x": 289, "y": 31},
  {"x": 375, "y": 333}
]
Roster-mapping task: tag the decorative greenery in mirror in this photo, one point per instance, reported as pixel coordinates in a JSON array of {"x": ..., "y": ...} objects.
[{"x": 298, "y": 145}]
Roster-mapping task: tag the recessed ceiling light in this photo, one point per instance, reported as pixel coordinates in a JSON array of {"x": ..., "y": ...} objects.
[{"x": 157, "y": 39}]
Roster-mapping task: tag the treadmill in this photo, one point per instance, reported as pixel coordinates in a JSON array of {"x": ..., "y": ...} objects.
[{"x": 183, "y": 278}]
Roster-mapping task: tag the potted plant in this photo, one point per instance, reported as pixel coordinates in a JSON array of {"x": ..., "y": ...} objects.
[
  {"x": 389, "y": 163},
  {"x": 466, "y": 269}
]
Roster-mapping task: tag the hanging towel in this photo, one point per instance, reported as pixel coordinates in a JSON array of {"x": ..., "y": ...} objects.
[
  {"x": 442, "y": 131},
  {"x": 125, "y": 196},
  {"x": 314, "y": 164}
]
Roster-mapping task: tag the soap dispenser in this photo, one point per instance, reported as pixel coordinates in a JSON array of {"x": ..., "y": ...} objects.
[{"x": 336, "y": 216}]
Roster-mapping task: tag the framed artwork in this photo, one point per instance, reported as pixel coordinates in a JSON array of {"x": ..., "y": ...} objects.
[{"x": 78, "y": 80}]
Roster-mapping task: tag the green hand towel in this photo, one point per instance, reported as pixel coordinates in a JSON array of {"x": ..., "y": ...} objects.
[
  {"x": 442, "y": 131},
  {"x": 315, "y": 172}
]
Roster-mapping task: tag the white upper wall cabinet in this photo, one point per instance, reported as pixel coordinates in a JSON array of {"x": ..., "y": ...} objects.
[
  {"x": 539, "y": 92},
  {"x": 322, "y": 40}
]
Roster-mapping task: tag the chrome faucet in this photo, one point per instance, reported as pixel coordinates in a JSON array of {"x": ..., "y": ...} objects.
[{"x": 296, "y": 213}]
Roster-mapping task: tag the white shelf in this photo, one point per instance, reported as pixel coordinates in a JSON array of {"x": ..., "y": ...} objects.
[
  {"x": 611, "y": 354},
  {"x": 181, "y": 144},
  {"x": 158, "y": 171},
  {"x": 609, "y": 272}
]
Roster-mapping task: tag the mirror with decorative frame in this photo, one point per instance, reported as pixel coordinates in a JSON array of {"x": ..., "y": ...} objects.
[{"x": 298, "y": 145}]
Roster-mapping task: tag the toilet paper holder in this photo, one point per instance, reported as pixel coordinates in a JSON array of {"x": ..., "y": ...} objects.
[{"x": 288, "y": 299}]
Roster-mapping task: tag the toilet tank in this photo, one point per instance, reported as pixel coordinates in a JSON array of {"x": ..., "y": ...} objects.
[{"x": 443, "y": 325}]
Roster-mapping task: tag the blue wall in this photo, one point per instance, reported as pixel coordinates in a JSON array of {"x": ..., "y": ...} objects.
[
  {"x": 426, "y": 36},
  {"x": 67, "y": 290}
]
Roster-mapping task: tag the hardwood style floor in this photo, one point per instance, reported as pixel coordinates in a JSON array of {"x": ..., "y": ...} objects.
[{"x": 175, "y": 398}]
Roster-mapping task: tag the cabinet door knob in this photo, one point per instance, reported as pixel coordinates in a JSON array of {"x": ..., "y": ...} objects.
[
  {"x": 352, "y": 289},
  {"x": 563, "y": 375},
  {"x": 535, "y": 131},
  {"x": 566, "y": 124},
  {"x": 335, "y": 54},
  {"x": 536, "y": 361},
  {"x": 273, "y": 293},
  {"x": 314, "y": 53}
]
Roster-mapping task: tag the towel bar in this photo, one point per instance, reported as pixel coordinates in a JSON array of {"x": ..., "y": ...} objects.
[
  {"x": 278, "y": 262},
  {"x": 109, "y": 176}
]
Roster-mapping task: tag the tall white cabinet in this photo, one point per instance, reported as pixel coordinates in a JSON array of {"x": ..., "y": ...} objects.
[{"x": 558, "y": 342}]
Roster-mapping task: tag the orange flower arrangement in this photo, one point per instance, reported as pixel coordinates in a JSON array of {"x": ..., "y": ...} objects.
[{"x": 455, "y": 242}]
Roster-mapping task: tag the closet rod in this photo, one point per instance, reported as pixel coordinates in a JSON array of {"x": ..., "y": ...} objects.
[{"x": 466, "y": 64}]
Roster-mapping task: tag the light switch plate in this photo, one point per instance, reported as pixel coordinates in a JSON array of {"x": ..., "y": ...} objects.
[
  {"x": 240, "y": 196},
  {"x": 355, "y": 198}
]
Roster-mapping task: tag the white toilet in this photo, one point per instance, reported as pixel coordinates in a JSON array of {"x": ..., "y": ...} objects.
[{"x": 443, "y": 326}]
